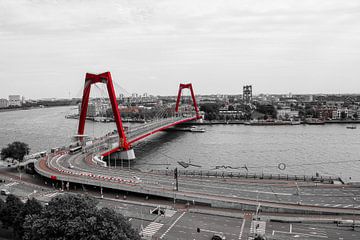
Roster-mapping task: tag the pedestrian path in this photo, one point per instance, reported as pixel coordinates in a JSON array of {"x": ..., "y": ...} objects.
[
  {"x": 151, "y": 229},
  {"x": 257, "y": 228}
]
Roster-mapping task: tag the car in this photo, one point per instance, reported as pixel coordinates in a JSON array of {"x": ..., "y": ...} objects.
[
  {"x": 218, "y": 236},
  {"x": 136, "y": 178},
  {"x": 4, "y": 192}
]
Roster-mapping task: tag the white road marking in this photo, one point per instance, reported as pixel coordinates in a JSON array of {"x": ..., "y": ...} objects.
[
  {"x": 300, "y": 234},
  {"x": 52, "y": 194},
  {"x": 242, "y": 229},
  {"x": 169, "y": 213},
  {"x": 11, "y": 184},
  {"x": 151, "y": 229},
  {"x": 290, "y": 230},
  {"x": 257, "y": 227},
  {"x": 348, "y": 205},
  {"x": 172, "y": 225}
]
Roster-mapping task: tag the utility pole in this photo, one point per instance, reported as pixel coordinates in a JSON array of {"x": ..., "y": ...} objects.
[{"x": 176, "y": 179}]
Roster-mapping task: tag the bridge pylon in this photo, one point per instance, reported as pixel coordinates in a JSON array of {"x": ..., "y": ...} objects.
[
  {"x": 126, "y": 152},
  {"x": 189, "y": 86}
]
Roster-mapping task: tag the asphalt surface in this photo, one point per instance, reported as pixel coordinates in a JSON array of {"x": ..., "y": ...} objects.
[
  {"x": 180, "y": 223},
  {"x": 317, "y": 197}
]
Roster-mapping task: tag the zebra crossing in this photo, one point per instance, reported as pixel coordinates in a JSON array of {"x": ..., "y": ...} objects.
[
  {"x": 169, "y": 213},
  {"x": 256, "y": 228},
  {"x": 151, "y": 229}
]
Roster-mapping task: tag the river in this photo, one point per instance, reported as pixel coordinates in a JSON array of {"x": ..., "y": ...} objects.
[{"x": 304, "y": 149}]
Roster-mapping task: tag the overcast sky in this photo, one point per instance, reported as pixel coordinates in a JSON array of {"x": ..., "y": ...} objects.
[{"x": 278, "y": 46}]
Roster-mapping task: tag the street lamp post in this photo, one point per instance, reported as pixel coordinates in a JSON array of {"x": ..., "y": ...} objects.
[{"x": 353, "y": 225}]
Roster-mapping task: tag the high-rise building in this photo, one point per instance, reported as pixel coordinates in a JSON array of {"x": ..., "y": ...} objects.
[
  {"x": 4, "y": 103},
  {"x": 247, "y": 93},
  {"x": 14, "y": 100}
]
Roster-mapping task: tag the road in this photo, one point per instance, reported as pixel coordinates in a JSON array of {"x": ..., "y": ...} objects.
[
  {"x": 182, "y": 223},
  {"x": 224, "y": 192}
]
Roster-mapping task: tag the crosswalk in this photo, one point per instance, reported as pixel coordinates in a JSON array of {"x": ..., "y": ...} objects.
[
  {"x": 169, "y": 213},
  {"x": 257, "y": 228},
  {"x": 151, "y": 229}
]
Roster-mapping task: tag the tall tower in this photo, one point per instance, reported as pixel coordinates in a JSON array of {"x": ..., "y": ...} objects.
[{"x": 247, "y": 93}]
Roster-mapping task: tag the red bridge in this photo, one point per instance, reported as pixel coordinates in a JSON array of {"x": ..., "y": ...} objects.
[{"x": 125, "y": 139}]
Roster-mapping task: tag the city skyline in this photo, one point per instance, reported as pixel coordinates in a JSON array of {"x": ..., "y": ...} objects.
[{"x": 152, "y": 46}]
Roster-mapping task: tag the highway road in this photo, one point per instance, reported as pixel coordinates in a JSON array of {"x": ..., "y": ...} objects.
[
  {"x": 225, "y": 192},
  {"x": 182, "y": 223}
]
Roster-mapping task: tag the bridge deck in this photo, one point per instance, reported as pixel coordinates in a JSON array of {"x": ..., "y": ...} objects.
[{"x": 140, "y": 132}]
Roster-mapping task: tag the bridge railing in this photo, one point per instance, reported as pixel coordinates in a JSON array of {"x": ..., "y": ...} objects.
[{"x": 248, "y": 175}]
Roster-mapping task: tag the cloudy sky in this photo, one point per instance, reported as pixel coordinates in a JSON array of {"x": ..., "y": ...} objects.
[{"x": 278, "y": 46}]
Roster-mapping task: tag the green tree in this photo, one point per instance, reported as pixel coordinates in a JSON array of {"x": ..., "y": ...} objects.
[
  {"x": 16, "y": 150},
  {"x": 76, "y": 217},
  {"x": 11, "y": 209},
  {"x": 31, "y": 207},
  {"x": 343, "y": 115}
]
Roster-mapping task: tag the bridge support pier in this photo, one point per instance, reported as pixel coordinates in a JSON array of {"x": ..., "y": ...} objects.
[{"x": 124, "y": 155}]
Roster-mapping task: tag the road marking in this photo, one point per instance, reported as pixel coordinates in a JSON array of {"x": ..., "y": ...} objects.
[
  {"x": 169, "y": 213},
  {"x": 51, "y": 195},
  {"x": 172, "y": 225},
  {"x": 337, "y": 205},
  {"x": 151, "y": 229},
  {"x": 300, "y": 234},
  {"x": 242, "y": 229},
  {"x": 11, "y": 184},
  {"x": 290, "y": 230},
  {"x": 257, "y": 227},
  {"x": 348, "y": 205}
]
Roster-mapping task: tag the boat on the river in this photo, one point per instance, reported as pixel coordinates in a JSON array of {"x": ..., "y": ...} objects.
[
  {"x": 196, "y": 129},
  {"x": 271, "y": 122},
  {"x": 314, "y": 121}
]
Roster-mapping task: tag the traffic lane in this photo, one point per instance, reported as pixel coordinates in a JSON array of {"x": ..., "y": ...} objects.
[
  {"x": 270, "y": 196},
  {"x": 247, "y": 190},
  {"x": 310, "y": 231},
  {"x": 129, "y": 210},
  {"x": 186, "y": 227},
  {"x": 20, "y": 189}
]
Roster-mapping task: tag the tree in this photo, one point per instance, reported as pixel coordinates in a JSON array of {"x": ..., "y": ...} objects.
[
  {"x": 16, "y": 150},
  {"x": 31, "y": 207},
  {"x": 343, "y": 115},
  {"x": 76, "y": 217},
  {"x": 355, "y": 116},
  {"x": 11, "y": 209}
]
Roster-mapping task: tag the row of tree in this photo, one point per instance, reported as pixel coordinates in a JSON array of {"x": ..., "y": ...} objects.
[
  {"x": 65, "y": 217},
  {"x": 16, "y": 150}
]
